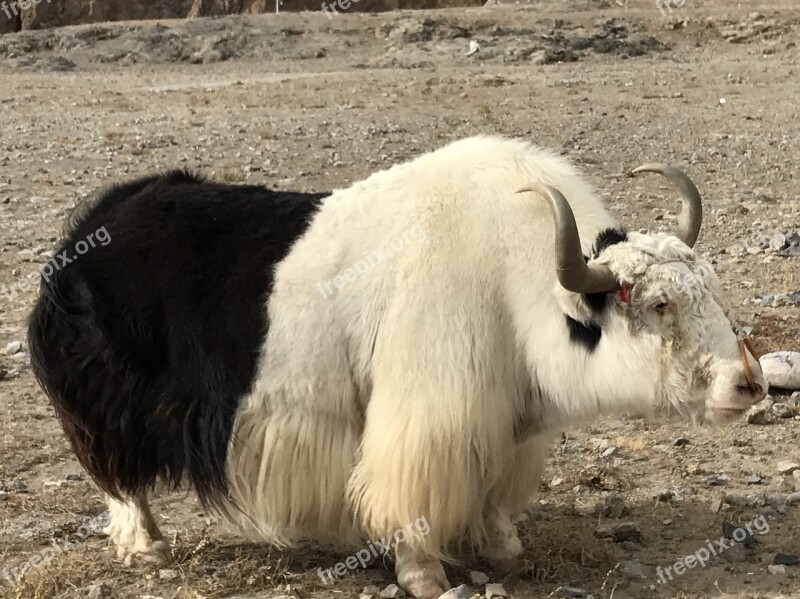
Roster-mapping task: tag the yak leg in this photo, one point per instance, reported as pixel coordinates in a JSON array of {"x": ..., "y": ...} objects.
[
  {"x": 134, "y": 532},
  {"x": 498, "y": 539}
]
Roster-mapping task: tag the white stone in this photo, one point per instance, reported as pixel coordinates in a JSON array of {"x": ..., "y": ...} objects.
[
  {"x": 782, "y": 369},
  {"x": 773, "y": 569},
  {"x": 478, "y": 578},
  {"x": 392, "y": 592},
  {"x": 786, "y": 467},
  {"x": 611, "y": 451},
  {"x": 14, "y": 347},
  {"x": 460, "y": 592},
  {"x": 495, "y": 590}
]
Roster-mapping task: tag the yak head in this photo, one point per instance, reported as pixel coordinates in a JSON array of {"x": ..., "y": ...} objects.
[{"x": 657, "y": 305}]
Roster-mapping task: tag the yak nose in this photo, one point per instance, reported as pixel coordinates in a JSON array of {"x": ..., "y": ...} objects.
[{"x": 753, "y": 391}]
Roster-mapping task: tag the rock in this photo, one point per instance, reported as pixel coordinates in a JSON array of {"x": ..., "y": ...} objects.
[
  {"x": 782, "y": 369},
  {"x": 786, "y": 559},
  {"x": 167, "y": 575},
  {"x": 716, "y": 480},
  {"x": 572, "y": 592},
  {"x": 392, "y": 592},
  {"x": 761, "y": 413},
  {"x": 74, "y": 477},
  {"x": 786, "y": 467},
  {"x": 782, "y": 410},
  {"x": 15, "y": 347},
  {"x": 474, "y": 47},
  {"x": 587, "y": 506},
  {"x": 478, "y": 578},
  {"x": 495, "y": 590},
  {"x": 97, "y": 591},
  {"x": 793, "y": 498},
  {"x": 624, "y": 531},
  {"x": 681, "y": 442},
  {"x": 778, "y": 242},
  {"x": 754, "y": 479},
  {"x": 779, "y": 570},
  {"x": 460, "y": 592},
  {"x": 611, "y": 451},
  {"x": 370, "y": 591},
  {"x": 632, "y": 569},
  {"x": 614, "y": 506},
  {"x": 738, "y": 533}
]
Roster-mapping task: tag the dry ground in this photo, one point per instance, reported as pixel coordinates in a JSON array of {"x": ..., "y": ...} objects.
[{"x": 300, "y": 101}]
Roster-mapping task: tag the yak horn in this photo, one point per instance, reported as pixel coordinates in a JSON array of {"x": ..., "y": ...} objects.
[
  {"x": 691, "y": 217},
  {"x": 573, "y": 272}
]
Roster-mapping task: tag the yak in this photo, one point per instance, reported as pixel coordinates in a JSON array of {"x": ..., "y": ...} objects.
[{"x": 331, "y": 367}]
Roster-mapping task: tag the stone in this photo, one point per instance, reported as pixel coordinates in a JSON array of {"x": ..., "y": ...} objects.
[
  {"x": 74, "y": 477},
  {"x": 495, "y": 590},
  {"x": 371, "y": 591},
  {"x": 761, "y": 413},
  {"x": 782, "y": 410},
  {"x": 786, "y": 559},
  {"x": 782, "y": 369},
  {"x": 167, "y": 575},
  {"x": 459, "y": 592},
  {"x": 681, "y": 442},
  {"x": 786, "y": 467},
  {"x": 739, "y": 534},
  {"x": 793, "y": 498},
  {"x": 779, "y": 569},
  {"x": 778, "y": 242},
  {"x": 624, "y": 531},
  {"x": 611, "y": 451},
  {"x": 392, "y": 592},
  {"x": 716, "y": 480},
  {"x": 15, "y": 347},
  {"x": 478, "y": 578},
  {"x": 613, "y": 506},
  {"x": 97, "y": 591},
  {"x": 754, "y": 479}
]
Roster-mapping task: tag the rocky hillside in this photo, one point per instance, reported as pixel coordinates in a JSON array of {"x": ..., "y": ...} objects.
[{"x": 17, "y": 15}]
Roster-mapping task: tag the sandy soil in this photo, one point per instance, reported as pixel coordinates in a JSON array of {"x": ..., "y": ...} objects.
[{"x": 305, "y": 102}]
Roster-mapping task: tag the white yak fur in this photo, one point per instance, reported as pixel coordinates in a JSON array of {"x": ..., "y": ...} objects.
[{"x": 419, "y": 388}]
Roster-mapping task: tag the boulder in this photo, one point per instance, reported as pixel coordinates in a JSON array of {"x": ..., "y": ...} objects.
[{"x": 782, "y": 369}]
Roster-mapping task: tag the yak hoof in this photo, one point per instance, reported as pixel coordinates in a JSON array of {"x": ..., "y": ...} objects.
[{"x": 154, "y": 552}]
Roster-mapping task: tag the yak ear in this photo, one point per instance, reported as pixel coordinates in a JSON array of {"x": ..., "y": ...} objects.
[{"x": 606, "y": 238}]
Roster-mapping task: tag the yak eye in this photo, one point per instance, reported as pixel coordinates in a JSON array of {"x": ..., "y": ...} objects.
[{"x": 661, "y": 307}]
